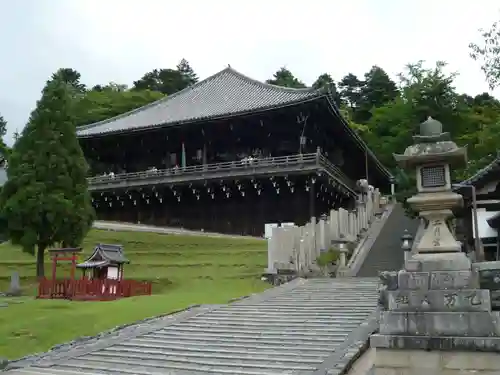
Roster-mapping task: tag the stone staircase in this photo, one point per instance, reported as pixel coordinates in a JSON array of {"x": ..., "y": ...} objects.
[
  {"x": 314, "y": 326},
  {"x": 385, "y": 254}
]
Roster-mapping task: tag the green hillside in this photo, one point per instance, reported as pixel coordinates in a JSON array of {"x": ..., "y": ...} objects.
[{"x": 185, "y": 270}]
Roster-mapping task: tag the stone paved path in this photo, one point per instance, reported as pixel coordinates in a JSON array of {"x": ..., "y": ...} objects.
[{"x": 304, "y": 327}]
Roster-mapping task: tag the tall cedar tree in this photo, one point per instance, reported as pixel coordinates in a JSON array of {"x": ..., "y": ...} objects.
[{"x": 46, "y": 200}]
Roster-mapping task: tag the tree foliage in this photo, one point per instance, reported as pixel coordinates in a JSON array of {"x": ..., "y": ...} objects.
[
  {"x": 283, "y": 77},
  {"x": 4, "y": 149},
  {"x": 46, "y": 200},
  {"x": 488, "y": 52},
  {"x": 168, "y": 81},
  {"x": 103, "y": 102}
]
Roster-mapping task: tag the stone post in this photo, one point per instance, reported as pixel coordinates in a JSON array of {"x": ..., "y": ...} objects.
[
  {"x": 342, "y": 257},
  {"x": 435, "y": 318}
]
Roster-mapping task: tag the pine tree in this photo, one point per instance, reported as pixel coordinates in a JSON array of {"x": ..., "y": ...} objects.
[
  {"x": 187, "y": 72},
  {"x": 284, "y": 77},
  {"x": 46, "y": 200}
]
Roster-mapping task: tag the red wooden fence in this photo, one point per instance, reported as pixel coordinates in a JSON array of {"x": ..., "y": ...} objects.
[{"x": 92, "y": 289}]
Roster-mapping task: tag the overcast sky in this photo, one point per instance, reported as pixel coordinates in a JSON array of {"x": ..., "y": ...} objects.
[{"x": 119, "y": 40}]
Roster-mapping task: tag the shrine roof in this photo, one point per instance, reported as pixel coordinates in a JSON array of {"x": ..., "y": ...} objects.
[
  {"x": 105, "y": 254},
  {"x": 483, "y": 176},
  {"x": 223, "y": 94}
]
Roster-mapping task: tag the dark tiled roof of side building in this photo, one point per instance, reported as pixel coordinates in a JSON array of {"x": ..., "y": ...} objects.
[
  {"x": 482, "y": 175},
  {"x": 223, "y": 94}
]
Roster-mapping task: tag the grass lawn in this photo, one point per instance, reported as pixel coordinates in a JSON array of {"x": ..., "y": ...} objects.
[{"x": 185, "y": 270}]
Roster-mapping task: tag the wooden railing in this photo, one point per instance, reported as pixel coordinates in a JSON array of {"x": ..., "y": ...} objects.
[
  {"x": 312, "y": 159},
  {"x": 92, "y": 289}
]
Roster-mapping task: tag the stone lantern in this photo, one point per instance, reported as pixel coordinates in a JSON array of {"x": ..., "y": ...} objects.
[
  {"x": 435, "y": 319},
  {"x": 432, "y": 156}
]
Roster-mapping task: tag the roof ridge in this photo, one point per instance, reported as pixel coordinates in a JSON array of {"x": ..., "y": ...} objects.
[
  {"x": 152, "y": 104},
  {"x": 482, "y": 171},
  {"x": 269, "y": 85}
]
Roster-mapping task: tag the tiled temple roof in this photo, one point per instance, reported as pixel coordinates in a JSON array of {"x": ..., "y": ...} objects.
[
  {"x": 480, "y": 176},
  {"x": 224, "y": 94},
  {"x": 103, "y": 255}
]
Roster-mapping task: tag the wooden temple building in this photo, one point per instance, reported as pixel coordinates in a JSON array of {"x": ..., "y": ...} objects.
[
  {"x": 228, "y": 154},
  {"x": 483, "y": 191}
]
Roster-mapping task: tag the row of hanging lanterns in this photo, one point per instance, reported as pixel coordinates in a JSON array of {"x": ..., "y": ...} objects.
[{"x": 329, "y": 188}]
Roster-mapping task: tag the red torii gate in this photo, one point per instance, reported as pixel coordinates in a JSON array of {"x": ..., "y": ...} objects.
[{"x": 57, "y": 255}]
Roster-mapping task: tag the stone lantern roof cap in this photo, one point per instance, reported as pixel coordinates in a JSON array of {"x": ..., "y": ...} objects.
[{"x": 432, "y": 145}]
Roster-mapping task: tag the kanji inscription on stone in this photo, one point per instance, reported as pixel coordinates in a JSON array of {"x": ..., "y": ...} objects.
[
  {"x": 450, "y": 299},
  {"x": 413, "y": 280}
]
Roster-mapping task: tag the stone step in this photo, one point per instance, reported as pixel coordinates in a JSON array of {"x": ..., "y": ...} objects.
[
  {"x": 229, "y": 349},
  {"x": 264, "y": 335},
  {"x": 153, "y": 367},
  {"x": 385, "y": 254},
  {"x": 289, "y": 329},
  {"x": 240, "y": 342}
]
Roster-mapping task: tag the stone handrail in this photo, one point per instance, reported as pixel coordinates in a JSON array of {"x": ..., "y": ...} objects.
[{"x": 294, "y": 248}]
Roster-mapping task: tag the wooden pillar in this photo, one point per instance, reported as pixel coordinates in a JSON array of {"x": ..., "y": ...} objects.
[
  {"x": 54, "y": 266},
  {"x": 312, "y": 201},
  {"x": 73, "y": 267}
]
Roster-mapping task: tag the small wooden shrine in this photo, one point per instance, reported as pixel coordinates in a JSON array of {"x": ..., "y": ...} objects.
[
  {"x": 106, "y": 262},
  {"x": 102, "y": 276}
]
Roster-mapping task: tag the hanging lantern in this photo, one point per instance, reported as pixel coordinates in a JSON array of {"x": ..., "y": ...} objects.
[
  {"x": 197, "y": 197},
  {"x": 135, "y": 202},
  {"x": 123, "y": 203},
  {"x": 175, "y": 193},
  {"x": 228, "y": 194},
  {"x": 258, "y": 192},
  {"x": 313, "y": 180},
  {"x": 194, "y": 191},
  {"x": 110, "y": 204},
  {"x": 156, "y": 194},
  {"x": 147, "y": 201},
  {"x": 292, "y": 189},
  {"x": 106, "y": 199},
  {"x": 242, "y": 193},
  {"x": 161, "y": 200},
  {"x": 213, "y": 195},
  {"x": 178, "y": 199},
  {"x": 255, "y": 185},
  {"x": 278, "y": 191},
  {"x": 307, "y": 187}
]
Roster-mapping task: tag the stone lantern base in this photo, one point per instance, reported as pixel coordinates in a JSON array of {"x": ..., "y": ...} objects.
[{"x": 435, "y": 318}]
